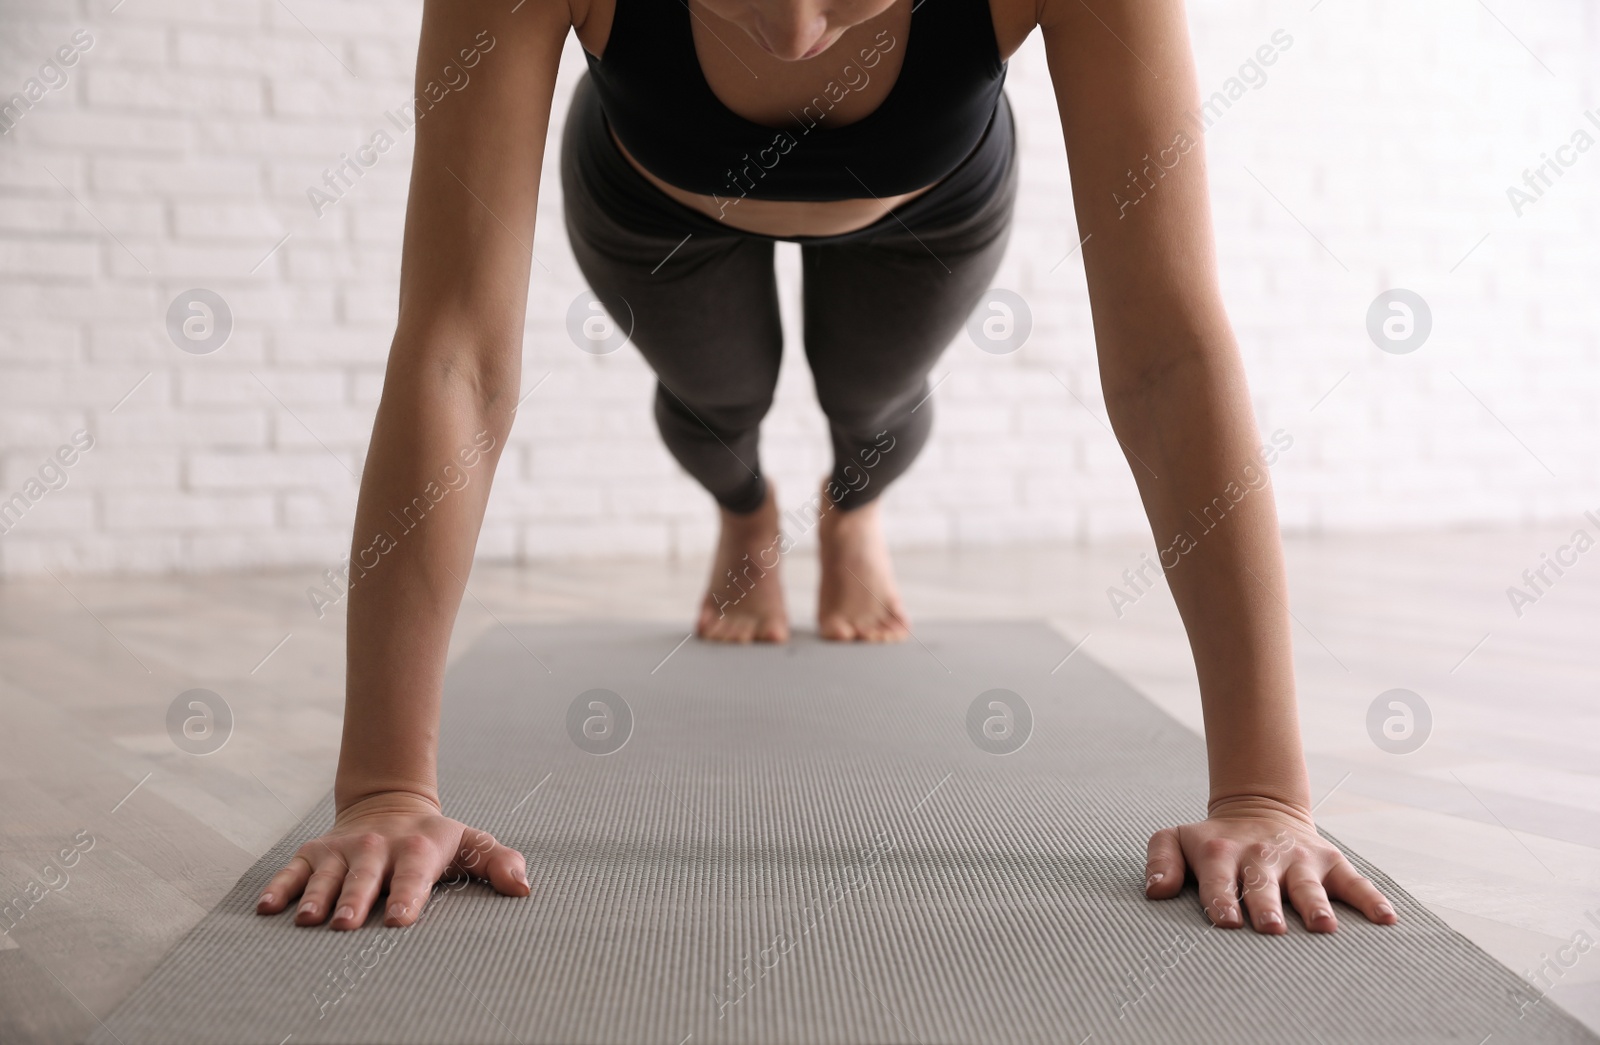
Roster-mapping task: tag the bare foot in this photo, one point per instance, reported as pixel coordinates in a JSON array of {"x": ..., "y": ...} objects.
[
  {"x": 858, "y": 600},
  {"x": 744, "y": 601}
]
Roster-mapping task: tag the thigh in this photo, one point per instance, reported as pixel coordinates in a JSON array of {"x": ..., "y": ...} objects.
[
  {"x": 881, "y": 309},
  {"x": 709, "y": 328},
  {"x": 699, "y": 301},
  {"x": 878, "y": 315}
]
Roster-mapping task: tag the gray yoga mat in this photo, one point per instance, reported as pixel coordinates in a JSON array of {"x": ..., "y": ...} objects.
[{"x": 817, "y": 843}]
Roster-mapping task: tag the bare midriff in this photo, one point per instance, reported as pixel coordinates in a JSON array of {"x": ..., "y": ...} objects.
[{"x": 781, "y": 217}]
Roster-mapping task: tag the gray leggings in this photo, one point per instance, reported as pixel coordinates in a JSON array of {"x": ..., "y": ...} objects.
[{"x": 881, "y": 304}]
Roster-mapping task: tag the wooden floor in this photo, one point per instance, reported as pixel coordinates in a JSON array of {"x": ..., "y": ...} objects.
[{"x": 1494, "y": 822}]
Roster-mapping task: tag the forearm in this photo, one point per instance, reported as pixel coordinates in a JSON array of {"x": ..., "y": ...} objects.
[
  {"x": 435, "y": 444},
  {"x": 1211, "y": 510}
]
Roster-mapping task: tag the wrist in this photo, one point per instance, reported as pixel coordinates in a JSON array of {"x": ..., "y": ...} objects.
[
  {"x": 353, "y": 789},
  {"x": 1261, "y": 803}
]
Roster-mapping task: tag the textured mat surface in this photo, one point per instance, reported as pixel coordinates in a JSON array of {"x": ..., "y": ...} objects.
[{"x": 817, "y": 843}]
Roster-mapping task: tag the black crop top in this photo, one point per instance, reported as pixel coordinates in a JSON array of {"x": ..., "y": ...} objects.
[{"x": 655, "y": 96}]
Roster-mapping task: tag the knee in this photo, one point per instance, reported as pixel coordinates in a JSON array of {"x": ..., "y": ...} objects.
[
  {"x": 725, "y": 415},
  {"x": 863, "y": 419}
]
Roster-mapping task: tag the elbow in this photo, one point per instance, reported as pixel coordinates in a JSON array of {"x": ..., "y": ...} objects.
[
  {"x": 1133, "y": 391},
  {"x": 477, "y": 374},
  {"x": 484, "y": 379}
]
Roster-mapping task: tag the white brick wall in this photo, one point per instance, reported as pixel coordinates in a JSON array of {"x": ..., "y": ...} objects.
[{"x": 179, "y": 150}]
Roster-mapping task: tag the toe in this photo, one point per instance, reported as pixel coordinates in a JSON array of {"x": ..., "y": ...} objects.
[
  {"x": 837, "y": 629},
  {"x": 709, "y": 622},
  {"x": 889, "y": 628}
]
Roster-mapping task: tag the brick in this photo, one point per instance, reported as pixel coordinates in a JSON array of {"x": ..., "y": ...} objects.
[
  {"x": 319, "y": 510},
  {"x": 166, "y": 90},
  {"x": 250, "y": 471},
  {"x": 609, "y": 539},
  {"x": 134, "y": 427},
  {"x": 30, "y": 433},
  {"x": 207, "y": 265},
  {"x": 113, "y": 466},
  {"x": 259, "y": 549},
  {"x": 40, "y": 342},
  {"x": 155, "y": 511},
  {"x": 331, "y": 19},
  {"x": 342, "y": 428},
  {"x": 149, "y": 344},
  {"x": 93, "y": 131},
  {"x": 227, "y": 49},
  {"x": 177, "y": 176},
  {"x": 266, "y": 388},
  {"x": 40, "y": 258},
  {"x": 126, "y": 45},
  {"x": 67, "y": 512}
]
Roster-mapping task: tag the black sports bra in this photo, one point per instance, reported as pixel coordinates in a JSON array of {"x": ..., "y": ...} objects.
[{"x": 655, "y": 96}]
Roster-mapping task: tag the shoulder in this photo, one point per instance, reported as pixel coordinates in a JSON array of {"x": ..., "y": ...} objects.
[
  {"x": 580, "y": 11},
  {"x": 1014, "y": 20}
]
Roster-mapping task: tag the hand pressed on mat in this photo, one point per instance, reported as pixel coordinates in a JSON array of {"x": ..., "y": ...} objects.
[
  {"x": 1258, "y": 855},
  {"x": 394, "y": 841}
]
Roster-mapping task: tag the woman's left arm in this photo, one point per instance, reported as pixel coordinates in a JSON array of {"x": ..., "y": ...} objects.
[{"x": 1175, "y": 390}]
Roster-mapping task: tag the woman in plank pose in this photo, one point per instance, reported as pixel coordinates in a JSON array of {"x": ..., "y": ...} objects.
[{"x": 877, "y": 135}]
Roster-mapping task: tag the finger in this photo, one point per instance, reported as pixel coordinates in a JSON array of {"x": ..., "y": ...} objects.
[
  {"x": 483, "y": 857},
  {"x": 1163, "y": 865},
  {"x": 1262, "y": 894},
  {"x": 1345, "y": 883},
  {"x": 285, "y": 886},
  {"x": 369, "y": 866},
  {"x": 417, "y": 866},
  {"x": 1304, "y": 886},
  {"x": 327, "y": 878},
  {"x": 1216, "y": 867}
]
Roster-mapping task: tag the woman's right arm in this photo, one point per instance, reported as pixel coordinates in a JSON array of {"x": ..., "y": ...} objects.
[{"x": 449, "y": 395}]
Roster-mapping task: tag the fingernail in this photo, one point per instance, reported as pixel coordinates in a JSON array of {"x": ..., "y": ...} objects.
[
  {"x": 1320, "y": 915},
  {"x": 345, "y": 912},
  {"x": 308, "y": 907},
  {"x": 1384, "y": 908},
  {"x": 520, "y": 876},
  {"x": 266, "y": 898},
  {"x": 1272, "y": 918},
  {"x": 397, "y": 910},
  {"x": 1153, "y": 879}
]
